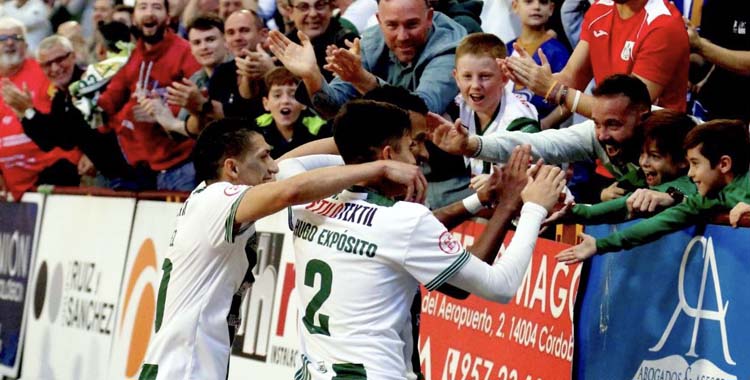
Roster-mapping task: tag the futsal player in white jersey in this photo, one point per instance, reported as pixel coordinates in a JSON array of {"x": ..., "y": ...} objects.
[
  {"x": 359, "y": 255},
  {"x": 212, "y": 251}
]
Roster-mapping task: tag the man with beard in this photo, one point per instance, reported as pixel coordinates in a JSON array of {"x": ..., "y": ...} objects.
[
  {"x": 159, "y": 59},
  {"x": 612, "y": 136},
  {"x": 206, "y": 37},
  {"x": 22, "y": 163}
]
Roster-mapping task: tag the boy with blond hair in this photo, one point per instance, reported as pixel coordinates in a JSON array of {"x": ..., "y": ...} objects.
[{"x": 486, "y": 102}]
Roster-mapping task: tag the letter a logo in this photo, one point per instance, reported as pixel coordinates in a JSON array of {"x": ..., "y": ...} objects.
[{"x": 698, "y": 313}]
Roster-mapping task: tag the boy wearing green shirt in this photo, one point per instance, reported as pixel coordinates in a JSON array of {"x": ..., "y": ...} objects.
[
  {"x": 664, "y": 167},
  {"x": 718, "y": 153}
]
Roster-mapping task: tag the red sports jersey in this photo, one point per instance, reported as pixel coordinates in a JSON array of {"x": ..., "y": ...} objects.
[
  {"x": 652, "y": 44},
  {"x": 21, "y": 159},
  {"x": 168, "y": 61}
]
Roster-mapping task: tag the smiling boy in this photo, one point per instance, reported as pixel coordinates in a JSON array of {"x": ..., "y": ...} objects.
[
  {"x": 718, "y": 153},
  {"x": 486, "y": 103}
]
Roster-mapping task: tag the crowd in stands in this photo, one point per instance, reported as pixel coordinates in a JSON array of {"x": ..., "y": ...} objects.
[{"x": 114, "y": 94}]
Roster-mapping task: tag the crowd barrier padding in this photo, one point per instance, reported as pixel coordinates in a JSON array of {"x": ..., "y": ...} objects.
[
  {"x": 674, "y": 309},
  {"x": 91, "y": 297}
]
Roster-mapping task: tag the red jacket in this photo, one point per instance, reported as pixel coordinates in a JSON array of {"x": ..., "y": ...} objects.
[
  {"x": 170, "y": 60},
  {"x": 21, "y": 160}
]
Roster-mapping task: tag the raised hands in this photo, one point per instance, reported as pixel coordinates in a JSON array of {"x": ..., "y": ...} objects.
[
  {"x": 545, "y": 187},
  {"x": 451, "y": 137},
  {"x": 185, "y": 94},
  {"x": 408, "y": 175},
  {"x": 585, "y": 249},
  {"x": 158, "y": 111},
  {"x": 611, "y": 192},
  {"x": 297, "y": 58},
  {"x": 346, "y": 63},
  {"x": 255, "y": 64},
  {"x": 524, "y": 71},
  {"x": 506, "y": 184},
  {"x": 17, "y": 99}
]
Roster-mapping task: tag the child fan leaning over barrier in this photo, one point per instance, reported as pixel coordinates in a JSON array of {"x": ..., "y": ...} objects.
[
  {"x": 664, "y": 166},
  {"x": 718, "y": 153}
]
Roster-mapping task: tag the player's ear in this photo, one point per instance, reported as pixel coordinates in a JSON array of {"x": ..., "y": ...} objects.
[
  {"x": 386, "y": 153},
  {"x": 231, "y": 169}
]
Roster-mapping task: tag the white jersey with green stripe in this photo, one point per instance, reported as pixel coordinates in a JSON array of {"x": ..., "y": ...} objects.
[
  {"x": 206, "y": 265},
  {"x": 359, "y": 258}
]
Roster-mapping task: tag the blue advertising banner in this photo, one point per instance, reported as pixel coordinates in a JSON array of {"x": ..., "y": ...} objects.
[
  {"x": 674, "y": 309},
  {"x": 18, "y": 222}
]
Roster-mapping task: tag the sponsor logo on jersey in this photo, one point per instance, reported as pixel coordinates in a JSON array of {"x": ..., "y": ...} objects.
[
  {"x": 232, "y": 190},
  {"x": 599, "y": 33},
  {"x": 448, "y": 243},
  {"x": 627, "y": 51}
]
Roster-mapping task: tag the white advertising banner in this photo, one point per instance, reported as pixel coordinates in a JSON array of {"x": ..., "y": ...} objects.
[
  {"x": 134, "y": 326},
  {"x": 77, "y": 280},
  {"x": 19, "y": 233},
  {"x": 267, "y": 346}
]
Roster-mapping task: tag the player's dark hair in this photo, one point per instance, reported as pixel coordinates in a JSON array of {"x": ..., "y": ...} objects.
[
  {"x": 722, "y": 137},
  {"x": 398, "y": 96},
  {"x": 363, "y": 127},
  {"x": 628, "y": 86},
  {"x": 667, "y": 129},
  {"x": 221, "y": 139},
  {"x": 206, "y": 22}
]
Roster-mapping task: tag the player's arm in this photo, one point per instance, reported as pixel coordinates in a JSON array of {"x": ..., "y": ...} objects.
[
  {"x": 320, "y": 146},
  {"x": 293, "y": 166},
  {"x": 500, "y": 281},
  {"x": 268, "y": 198}
]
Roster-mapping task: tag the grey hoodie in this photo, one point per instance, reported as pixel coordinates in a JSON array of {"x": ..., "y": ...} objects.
[{"x": 429, "y": 76}]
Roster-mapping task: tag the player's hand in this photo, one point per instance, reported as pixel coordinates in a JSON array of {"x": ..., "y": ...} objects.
[
  {"x": 17, "y": 99},
  {"x": 611, "y": 192},
  {"x": 737, "y": 212},
  {"x": 580, "y": 252},
  {"x": 560, "y": 215},
  {"x": 544, "y": 189},
  {"x": 523, "y": 70},
  {"x": 451, "y": 137},
  {"x": 409, "y": 176},
  {"x": 646, "y": 200},
  {"x": 515, "y": 176},
  {"x": 298, "y": 58}
]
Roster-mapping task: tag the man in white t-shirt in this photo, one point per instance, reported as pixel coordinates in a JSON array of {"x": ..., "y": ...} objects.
[
  {"x": 212, "y": 251},
  {"x": 360, "y": 254}
]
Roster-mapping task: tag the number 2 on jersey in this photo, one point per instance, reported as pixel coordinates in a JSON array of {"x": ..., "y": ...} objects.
[{"x": 313, "y": 268}]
